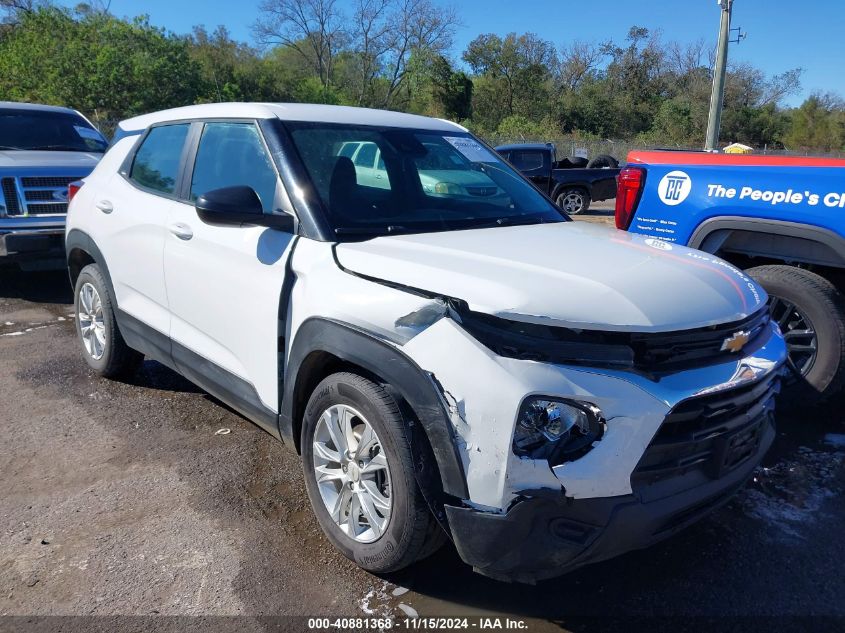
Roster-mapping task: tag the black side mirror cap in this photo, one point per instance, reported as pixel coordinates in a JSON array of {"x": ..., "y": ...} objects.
[{"x": 236, "y": 206}]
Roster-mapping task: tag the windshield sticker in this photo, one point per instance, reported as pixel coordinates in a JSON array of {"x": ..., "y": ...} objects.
[
  {"x": 471, "y": 149},
  {"x": 87, "y": 132}
]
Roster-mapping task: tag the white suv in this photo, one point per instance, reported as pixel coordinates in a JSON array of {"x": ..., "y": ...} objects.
[{"x": 545, "y": 393}]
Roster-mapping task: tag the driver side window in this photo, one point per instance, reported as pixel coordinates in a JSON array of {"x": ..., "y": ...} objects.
[{"x": 232, "y": 154}]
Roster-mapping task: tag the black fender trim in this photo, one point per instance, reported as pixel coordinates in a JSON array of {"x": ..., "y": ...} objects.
[
  {"x": 417, "y": 387},
  {"x": 560, "y": 187},
  {"x": 79, "y": 240},
  {"x": 139, "y": 336},
  {"x": 778, "y": 239}
]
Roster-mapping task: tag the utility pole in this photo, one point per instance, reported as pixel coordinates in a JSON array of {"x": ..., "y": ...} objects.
[{"x": 717, "y": 96}]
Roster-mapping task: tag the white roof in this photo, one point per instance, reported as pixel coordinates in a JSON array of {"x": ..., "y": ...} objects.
[
  {"x": 35, "y": 107},
  {"x": 293, "y": 112}
]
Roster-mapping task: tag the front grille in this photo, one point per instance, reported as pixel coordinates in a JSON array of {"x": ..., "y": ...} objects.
[
  {"x": 711, "y": 434},
  {"x": 674, "y": 350},
  {"x": 10, "y": 196},
  {"x": 42, "y": 195},
  {"x": 35, "y": 195},
  {"x": 653, "y": 354},
  {"x": 46, "y": 209},
  {"x": 54, "y": 182}
]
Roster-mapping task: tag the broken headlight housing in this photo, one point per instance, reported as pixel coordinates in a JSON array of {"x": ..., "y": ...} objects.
[{"x": 556, "y": 430}]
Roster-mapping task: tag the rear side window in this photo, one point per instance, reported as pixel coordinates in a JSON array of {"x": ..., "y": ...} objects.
[
  {"x": 230, "y": 155},
  {"x": 156, "y": 164},
  {"x": 527, "y": 160}
]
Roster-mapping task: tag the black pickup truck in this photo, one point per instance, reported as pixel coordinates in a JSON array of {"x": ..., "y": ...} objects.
[{"x": 572, "y": 183}]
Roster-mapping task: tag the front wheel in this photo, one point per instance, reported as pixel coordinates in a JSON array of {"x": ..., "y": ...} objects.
[
  {"x": 811, "y": 314},
  {"x": 573, "y": 201},
  {"x": 359, "y": 475}
]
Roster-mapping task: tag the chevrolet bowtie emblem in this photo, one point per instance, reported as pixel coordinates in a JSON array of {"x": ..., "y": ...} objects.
[{"x": 735, "y": 342}]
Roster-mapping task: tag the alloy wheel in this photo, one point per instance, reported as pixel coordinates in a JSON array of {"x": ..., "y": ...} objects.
[
  {"x": 91, "y": 324},
  {"x": 798, "y": 331},
  {"x": 352, "y": 473},
  {"x": 572, "y": 202}
]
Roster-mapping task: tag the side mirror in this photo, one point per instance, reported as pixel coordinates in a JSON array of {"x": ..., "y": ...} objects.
[{"x": 236, "y": 206}]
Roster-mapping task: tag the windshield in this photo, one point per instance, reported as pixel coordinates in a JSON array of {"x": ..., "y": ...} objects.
[
  {"x": 44, "y": 130},
  {"x": 393, "y": 180}
]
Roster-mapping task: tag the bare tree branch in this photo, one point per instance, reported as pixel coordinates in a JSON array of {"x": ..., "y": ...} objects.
[{"x": 313, "y": 28}]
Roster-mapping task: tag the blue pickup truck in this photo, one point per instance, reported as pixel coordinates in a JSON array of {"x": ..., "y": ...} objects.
[{"x": 780, "y": 220}]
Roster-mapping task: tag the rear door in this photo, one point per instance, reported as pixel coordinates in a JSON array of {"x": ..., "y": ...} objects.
[
  {"x": 224, "y": 283},
  {"x": 132, "y": 215},
  {"x": 366, "y": 170}
]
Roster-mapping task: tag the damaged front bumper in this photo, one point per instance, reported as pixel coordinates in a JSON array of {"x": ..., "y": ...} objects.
[
  {"x": 547, "y": 534},
  {"x": 676, "y": 447}
]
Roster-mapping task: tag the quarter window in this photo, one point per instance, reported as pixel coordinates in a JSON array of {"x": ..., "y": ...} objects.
[
  {"x": 156, "y": 164},
  {"x": 230, "y": 155}
]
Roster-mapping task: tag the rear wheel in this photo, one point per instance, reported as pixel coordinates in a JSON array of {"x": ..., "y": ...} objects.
[
  {"x": 359, "y": 475},
  {"x": 103, "y": 347},
  {"x": 811, "y": 314},
  {"x": 573, "y": 201}
]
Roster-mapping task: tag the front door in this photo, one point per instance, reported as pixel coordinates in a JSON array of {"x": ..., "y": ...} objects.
[{"x": 224, "y": 283}]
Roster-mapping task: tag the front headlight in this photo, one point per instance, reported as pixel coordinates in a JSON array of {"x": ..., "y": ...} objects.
[
  {"x": 448, "y": 188},
  {"x": 556, "y": 430}
]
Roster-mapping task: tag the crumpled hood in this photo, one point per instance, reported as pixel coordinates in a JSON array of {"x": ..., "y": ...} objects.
[
  {"x": 20, "y": 158},
  {"x": 572, "y": 274}
]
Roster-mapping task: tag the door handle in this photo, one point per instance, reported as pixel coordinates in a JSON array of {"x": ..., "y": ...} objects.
[
  {"x": 105, "y": 206},
  {"x": 181, "y": 230}
]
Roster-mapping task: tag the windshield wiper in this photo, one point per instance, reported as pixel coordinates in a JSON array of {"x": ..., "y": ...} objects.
[
  {"x": 370, "y": 230},
  {"x": 9, "y": 147}
]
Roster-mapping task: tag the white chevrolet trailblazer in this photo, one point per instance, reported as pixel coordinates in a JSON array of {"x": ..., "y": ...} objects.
[{"x": 448, "y": 352}]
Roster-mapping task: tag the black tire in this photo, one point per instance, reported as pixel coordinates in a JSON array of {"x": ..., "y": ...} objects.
[
  {"x": 118, "y": 360},
  {"x": 816, "y": 302},
  {"x": 603, "y": 161},
  {"x": 577, "y": 161},
  {"x": 411, "y": 532},
  {"x": 573, "y": 201}
]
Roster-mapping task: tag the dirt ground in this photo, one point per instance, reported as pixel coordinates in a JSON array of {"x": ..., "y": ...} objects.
[{"x": 123, "y": 499}]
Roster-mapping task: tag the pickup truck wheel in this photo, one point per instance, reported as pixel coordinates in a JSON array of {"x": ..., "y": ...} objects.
[
  {"x": 103, "y": 347},
  {"x": 811, "y": 314},
  {"x": 573, "y": 201},
  {"x": 359, "y": 475}
]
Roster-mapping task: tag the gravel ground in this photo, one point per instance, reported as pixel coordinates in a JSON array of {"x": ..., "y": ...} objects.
[{"x": 122, "y": 499}]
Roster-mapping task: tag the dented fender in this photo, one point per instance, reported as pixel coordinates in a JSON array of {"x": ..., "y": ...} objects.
[{"x": 485, "y": 393}]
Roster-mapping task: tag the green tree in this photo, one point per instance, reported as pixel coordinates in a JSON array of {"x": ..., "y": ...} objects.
[
  {"x": 517, "y": 75},
  {"x": 94, "y": 62},
  {"x": 819, "y": 123}
]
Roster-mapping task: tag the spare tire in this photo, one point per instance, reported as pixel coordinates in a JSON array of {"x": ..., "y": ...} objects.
[
  {"x": 603, "y": 161},
  {"x": 577, "y": 161}
]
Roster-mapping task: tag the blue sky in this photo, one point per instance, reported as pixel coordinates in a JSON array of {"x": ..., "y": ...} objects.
[{"x": 782, "y": 34}]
